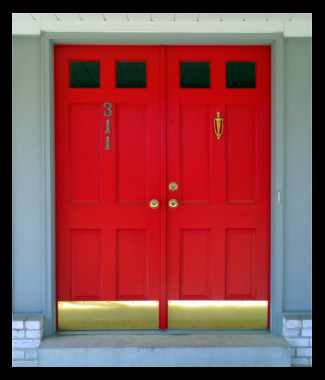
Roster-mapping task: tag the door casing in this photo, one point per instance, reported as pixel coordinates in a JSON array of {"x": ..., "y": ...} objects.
[{"x": 277, "y": 180}]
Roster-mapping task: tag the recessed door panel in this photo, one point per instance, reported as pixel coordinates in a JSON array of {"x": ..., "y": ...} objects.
[
  {"x": 241, "y": 153},
  {"x": 194, "y": 264},
  {"x": 132, "y": 252},
  {"x": 84, "y": 157},
  {"x": 240, "y": 264},
  {"x": 194, "y": 153},
  {"x": 131, "y": 142},
  {"x": 85, "y": 264}
]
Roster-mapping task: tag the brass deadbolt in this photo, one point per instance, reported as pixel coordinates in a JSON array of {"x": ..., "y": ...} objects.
[{"x": 173, "y": 203}]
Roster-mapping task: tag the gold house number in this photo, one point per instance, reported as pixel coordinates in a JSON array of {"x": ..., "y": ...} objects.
[{"x": 108, "y": 112}]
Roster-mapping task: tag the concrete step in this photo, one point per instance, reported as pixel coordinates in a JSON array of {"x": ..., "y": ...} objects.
[{"x": 165, "y": 350}]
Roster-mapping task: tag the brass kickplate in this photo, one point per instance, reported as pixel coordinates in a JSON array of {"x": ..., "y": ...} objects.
[
  {"x": 108, "y": 315},
  {"x": 217, "y": 314}
]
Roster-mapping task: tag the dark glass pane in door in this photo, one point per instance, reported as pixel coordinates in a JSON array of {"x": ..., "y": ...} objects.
[
  {"x": 240, "y": 75},
  {"x": 84, "y": 74},
  {"x": 195, "y": 74},
  {"x": 131, "y": 74}
]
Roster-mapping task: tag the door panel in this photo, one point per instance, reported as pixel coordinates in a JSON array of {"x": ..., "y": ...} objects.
[
  {"x": 240, "y": 243},
  {"x": 133, "y": 171},
  {"x": 194, "y": 154},
  {"x": 85, "y": 263},
  {"x": 240, "y": 154},
  {"x": 132, "y": 257},
  {"x": 194, "y": 264},
  {"x": 84, "y": 158}
]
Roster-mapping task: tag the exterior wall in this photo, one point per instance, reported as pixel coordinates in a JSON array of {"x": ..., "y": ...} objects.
[
  {"x": 28, "y": 259},
  {"x": 297, "y": 175},
  {"x": 27, "y": 191}
]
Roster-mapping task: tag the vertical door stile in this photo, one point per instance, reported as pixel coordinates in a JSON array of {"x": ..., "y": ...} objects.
[{"x": 163, "y": 299}]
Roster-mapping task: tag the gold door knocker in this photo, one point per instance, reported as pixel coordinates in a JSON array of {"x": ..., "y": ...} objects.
[{"x": 218, "y": 125}]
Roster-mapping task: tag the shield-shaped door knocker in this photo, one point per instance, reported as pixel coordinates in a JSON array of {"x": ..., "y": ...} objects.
[{"x": 218, "y": 125}]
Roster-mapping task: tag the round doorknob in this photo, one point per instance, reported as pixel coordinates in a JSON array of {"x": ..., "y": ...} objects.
[
  {"x": 173, "y": 203},
  {"x": 154, "y": 203},
  {"x": 173, "y": 186}
]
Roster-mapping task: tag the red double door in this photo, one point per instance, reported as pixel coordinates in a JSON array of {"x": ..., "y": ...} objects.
[{"x": 139, "y": 124}]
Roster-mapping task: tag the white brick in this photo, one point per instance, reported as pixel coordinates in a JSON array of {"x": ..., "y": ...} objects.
[
  {"x": 18, "y": 334},
  {"x": 291, "y": 332},
  {"x": 33, "y": 334},
  {"x": 17, "y": 324},
  {"x": 306, "y": 332},
  {"x": 307, "y": 323},
  {"x": 26, "y": 343},
  {"x": 25, "y": 363},
  {"x": 33, "y": 323},
  {"x": 31, "y": 353},
  {"x": 304, "y": 352},
  {"x": 298, "y": 342},
  {"x": 27, "y": 333},
  {"x": 292, "y": 323},
  {"x": 17, "y": 354},
  {"x": 300, "y": 361}
]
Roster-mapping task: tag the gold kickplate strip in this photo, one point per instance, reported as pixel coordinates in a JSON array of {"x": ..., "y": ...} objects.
[
  {"x": 217, "y": 314},
  {"x": 107, "y": 315}
]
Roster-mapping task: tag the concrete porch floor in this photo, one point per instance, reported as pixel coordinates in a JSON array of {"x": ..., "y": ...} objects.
[{"x": 165, "y": 350}]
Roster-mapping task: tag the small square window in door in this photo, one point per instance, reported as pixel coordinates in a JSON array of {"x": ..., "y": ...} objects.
[
  {"x": 84, "y": 74},
  {"x": 131, "y": 74},
  {"x": 195, "y": 74},
  {"x": 240, "y": 75}
]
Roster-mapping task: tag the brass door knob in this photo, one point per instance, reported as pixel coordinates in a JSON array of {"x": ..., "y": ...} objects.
[
  {"x": 173, "y": 186},
  {"x": 173, "y": 203},
  {"x": 154, "y": 203}
]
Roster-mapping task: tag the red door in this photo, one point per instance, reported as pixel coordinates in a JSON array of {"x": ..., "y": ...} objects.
[
  {"x": 219, "y": 235},
  {"x": 107, "y": 164},
  {"x": 134, "y": 125}
]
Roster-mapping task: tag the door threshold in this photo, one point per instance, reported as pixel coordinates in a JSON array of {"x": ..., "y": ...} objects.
[
  {"x": 163, "y": 332},
  {"x": 167, "y": 349}
]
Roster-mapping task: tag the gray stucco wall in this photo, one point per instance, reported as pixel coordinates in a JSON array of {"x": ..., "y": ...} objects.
[
  {"x": 28, "y": 260},
  {"x": 297, "y": 169},
  {"x": 27, "y": 190}
]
